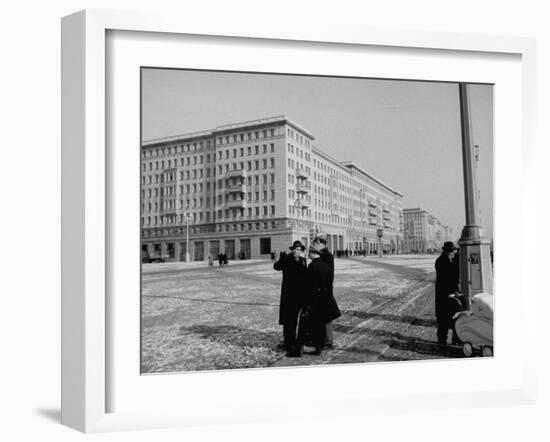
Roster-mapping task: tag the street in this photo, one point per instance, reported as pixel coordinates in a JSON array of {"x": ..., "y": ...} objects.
[{"x": 200, "y": 318}]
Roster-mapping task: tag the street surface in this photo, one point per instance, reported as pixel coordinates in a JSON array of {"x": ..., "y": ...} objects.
[{"x": 200, "y": 318}]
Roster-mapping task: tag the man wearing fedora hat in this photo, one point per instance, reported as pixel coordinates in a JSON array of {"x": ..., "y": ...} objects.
[
  {"x": 294, "y": 267},
  {"x": 446, "y": 285}
]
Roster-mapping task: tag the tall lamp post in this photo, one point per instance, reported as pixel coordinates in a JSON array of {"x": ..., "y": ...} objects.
[
  {"x": 476, "y": 273},
  {"x": 298, "y": 206},
  {"x": 187, "y": 237}
]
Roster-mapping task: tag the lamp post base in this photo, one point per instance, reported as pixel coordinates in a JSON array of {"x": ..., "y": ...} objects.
[{"x": 476, "y": 271}]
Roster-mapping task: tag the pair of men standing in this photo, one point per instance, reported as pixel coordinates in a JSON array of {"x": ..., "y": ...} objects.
[{"x": 307, "y": 299}]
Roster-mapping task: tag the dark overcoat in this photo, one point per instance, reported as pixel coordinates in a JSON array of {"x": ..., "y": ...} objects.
[
  {"x": 292, "y": 287},
  {"x": 320, "y": 300},
  {"x": 446, "y": 283},
  {"x": 333, "y": 311}
]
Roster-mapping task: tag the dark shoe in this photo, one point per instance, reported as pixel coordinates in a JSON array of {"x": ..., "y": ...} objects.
[
  {"x": 317, "y": 352},
  {"x": 293, "y": 354}
]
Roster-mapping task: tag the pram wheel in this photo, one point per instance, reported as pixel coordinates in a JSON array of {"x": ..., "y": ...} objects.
[
  {"x": 467, "y": 349},
  {"x": 487, "y": 351}
]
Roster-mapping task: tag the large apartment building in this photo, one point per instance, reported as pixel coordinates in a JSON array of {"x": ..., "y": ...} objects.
[
  {"x": 423, "y": 232},
  {"x": 251, "y": 188}
]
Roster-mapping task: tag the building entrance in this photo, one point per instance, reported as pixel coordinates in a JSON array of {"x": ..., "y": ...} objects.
[
  {"x": 199, "y": 251},
  {"x": 245, "y": 249},
  {"x": 230, "y": 248}
]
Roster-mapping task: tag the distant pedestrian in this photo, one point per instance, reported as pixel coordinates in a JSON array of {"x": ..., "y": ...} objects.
[
  {"x": 294, "y": 267},
  {"x": 320, "y": 244},
  {"x": 446, "y": 286},
  {"x": 220, "y": 259},
  {"x": 225, "y": 260},
  {"x": 210, "y": 260}
]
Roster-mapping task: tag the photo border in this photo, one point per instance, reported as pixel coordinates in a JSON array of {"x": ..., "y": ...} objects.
[{"x": 85, "y": 315}]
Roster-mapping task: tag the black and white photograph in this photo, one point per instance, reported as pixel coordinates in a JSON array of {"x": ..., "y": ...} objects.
[
  {"x": 256, "y": 221},
  {"x": 295, "y": 220}
]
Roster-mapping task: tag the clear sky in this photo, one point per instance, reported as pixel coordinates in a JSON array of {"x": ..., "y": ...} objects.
[{"x": 405, "y": 133}]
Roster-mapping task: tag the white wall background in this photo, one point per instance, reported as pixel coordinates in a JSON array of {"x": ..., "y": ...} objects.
[{"x": 30, "y": 216}]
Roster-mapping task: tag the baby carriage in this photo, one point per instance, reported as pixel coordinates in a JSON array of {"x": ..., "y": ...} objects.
[{"x": 474, "y": 327}]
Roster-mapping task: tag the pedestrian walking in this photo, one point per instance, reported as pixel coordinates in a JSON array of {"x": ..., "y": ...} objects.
[
  {"x": 294, "y": 268},
  {"x": 320, "y": 244},
  {"x": 210, "y": 260},
  {"x": 446, "y": 286}
]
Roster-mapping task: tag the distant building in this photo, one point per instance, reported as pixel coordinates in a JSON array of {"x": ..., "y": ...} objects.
[
  {"x": 251, "y": 188},
  {"x": 423, "y": 232}
]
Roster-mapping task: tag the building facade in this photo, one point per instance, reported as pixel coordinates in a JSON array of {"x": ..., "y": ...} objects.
[
  {"x": 423, "y": 232},
  {"x": 249, "y": 189}
]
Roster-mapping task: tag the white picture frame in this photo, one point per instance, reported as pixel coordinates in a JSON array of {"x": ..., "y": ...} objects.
[{"x": 85, "y": 202}]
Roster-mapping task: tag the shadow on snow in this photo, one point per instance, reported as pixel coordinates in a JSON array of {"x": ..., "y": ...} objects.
[{"x": 233, "y": 335}]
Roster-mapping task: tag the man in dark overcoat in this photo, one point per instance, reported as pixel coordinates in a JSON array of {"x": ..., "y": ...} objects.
[
  {"x": 294, "y": 267},
  {"x": 318, "y": 309},
  {"x": 320, "y": 244},
  {"x": 446, "y": 285}
]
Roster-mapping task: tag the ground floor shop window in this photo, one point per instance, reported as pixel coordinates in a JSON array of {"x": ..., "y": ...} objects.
[
  {"x": 171, "y": 250},
  {"x": 265, "y": 246}
]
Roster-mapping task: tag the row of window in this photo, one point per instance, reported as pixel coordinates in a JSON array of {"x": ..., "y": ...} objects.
[
  {"x": 246, "y": 196},
  {"x": 264, "y": 179},
  {"x": 247, "y": 136},
  {"x": 196, "y": 146},
  {"x": 229, "y": 214},
  {"x": 222, "y": 140},
  {"x": 298, "y": 137},
  {"x": 197, "y": 203},
  {"x": 170, "y": 177},
  {"x": 297, "y": 165},
  {"x": 175, "y": 162},
  {"x": 206, "y": 217},
  {"x": 198, "y": 159},
  {"x": 265, "y": 163},
  {"x": 242, "y": 151},
  {"x": 300, "y": 153}
]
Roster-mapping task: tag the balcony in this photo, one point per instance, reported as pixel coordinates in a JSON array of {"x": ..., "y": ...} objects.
[
  {"x": 302, "y": 173},
  {"x": 173, "y": 211},
  {"x": 373, "y": 212},
  {"x": 239, "y": 173},
  {"x": 303, "y": 203},
  {"x": 303, "y": 187},
  {"x": 235, "y": 188},
  {"x": 236, "y": 204},
  {"x": 372, "y": 204},
  {"x": 385, "y": 209}
]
